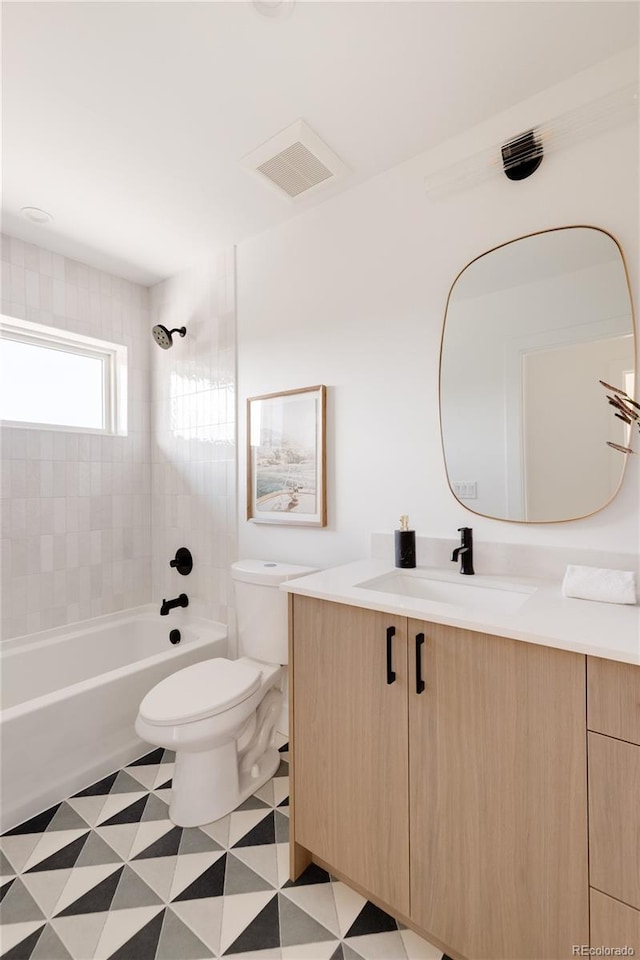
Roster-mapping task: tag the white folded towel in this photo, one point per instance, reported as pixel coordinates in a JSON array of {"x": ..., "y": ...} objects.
[{"x": 594, "y": 583}]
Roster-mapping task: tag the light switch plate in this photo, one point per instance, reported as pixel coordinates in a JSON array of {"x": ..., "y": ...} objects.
[{"x": 465, "y": 489}]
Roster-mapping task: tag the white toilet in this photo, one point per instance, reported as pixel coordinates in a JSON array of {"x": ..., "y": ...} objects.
[{"x": 220, "y": 715}]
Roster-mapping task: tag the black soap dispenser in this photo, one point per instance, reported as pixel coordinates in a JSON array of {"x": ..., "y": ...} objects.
[{"x": 405, "y": 543}]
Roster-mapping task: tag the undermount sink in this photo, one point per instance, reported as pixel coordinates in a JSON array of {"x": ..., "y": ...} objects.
[{"x": 468, "y": 594}]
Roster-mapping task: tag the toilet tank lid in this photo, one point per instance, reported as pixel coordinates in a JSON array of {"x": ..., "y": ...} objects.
[{"x": 267, "y": 572}]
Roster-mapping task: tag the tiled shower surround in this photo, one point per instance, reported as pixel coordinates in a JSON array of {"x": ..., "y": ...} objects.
[
  {"x": 82, "y": 515},
  {"x": 193, "y": 435},
  {"x": 75, "y": 512}
]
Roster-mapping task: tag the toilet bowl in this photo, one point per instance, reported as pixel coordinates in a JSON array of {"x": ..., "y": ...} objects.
[
  {"x": 220, "y": 715},
  {"x": 207, "y": 713}
]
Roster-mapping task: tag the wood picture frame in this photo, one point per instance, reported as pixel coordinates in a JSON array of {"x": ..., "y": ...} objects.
[{"x": 286, "y": 457}]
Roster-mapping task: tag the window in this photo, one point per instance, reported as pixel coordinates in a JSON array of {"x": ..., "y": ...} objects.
[{"x": 54, "y": 379}]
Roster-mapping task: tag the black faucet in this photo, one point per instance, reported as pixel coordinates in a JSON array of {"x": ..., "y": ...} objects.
[
  {"x": 465, "y": 551},
  {"x": 181, "y": 601}
]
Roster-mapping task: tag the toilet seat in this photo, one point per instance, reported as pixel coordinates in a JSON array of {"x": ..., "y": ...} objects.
[{"x": 202, "y": 690}]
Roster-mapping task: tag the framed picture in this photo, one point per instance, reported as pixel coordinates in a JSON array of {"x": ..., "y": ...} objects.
[{"x": 286, "y": 463}]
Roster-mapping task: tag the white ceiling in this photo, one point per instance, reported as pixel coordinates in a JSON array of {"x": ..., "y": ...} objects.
[{"x": 127, "y": 121}]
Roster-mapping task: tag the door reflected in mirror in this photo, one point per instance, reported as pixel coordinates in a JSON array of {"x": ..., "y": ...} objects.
[{"x": 530, "y": 329}]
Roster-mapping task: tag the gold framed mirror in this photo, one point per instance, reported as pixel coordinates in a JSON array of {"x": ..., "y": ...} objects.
[{"x": 530, "y": 329}]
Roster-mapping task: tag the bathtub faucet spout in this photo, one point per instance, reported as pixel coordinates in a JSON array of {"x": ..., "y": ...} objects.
[{"x": 167, "y": 605}]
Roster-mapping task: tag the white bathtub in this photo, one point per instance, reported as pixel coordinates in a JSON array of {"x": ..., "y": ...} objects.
[{"x": 70, "y": 697}]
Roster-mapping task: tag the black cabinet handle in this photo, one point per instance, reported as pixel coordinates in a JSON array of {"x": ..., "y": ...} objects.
[
  {"x": 391, "y": 674},
  {"x": 419, "y": 680}
]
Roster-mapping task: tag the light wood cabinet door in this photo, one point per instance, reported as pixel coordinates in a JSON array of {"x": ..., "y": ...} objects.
[
  {"x": 350, "y": 744},
  {"x": 614, "y": 924},
  {"x": 498, "y": 805},
  {"x": 613, "y": 698},
  {"x": 614, "y": 817}
]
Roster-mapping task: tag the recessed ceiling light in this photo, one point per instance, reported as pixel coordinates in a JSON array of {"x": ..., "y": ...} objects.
[
  {"x": 274, "y": 9},
  {"x": 36, "y": 215}
]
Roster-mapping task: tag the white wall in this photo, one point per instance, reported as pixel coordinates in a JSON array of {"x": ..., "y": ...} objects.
[
  {"x": 75, "y": 512},
  {"x": 193, "y": 437},
  {"x": 352, "y": 294}
]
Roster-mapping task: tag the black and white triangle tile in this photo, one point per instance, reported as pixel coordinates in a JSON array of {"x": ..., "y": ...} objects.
[{"x": 106, "y": 875}]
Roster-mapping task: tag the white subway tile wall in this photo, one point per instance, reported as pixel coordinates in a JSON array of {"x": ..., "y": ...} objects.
[
  {"x": 76, "y": 508},
  {"x": 194, "y": 436}
]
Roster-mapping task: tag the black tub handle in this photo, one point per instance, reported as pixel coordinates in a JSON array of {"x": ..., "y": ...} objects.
[
  {"x": 419, "y": 681},
  {"x": 391, "y": 674},
  {"x": 183, "y": 561}
]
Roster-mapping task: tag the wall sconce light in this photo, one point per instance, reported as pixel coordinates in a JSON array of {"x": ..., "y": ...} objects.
[{"x": 520, "y": 156}]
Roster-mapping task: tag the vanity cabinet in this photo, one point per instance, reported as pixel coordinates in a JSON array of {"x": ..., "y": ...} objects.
[
  {"x": 481, "y": 775},
  {"x": 613, "y": 719}
]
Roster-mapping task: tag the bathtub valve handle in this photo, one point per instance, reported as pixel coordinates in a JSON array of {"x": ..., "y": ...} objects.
[{"x": 183, "y": 561}]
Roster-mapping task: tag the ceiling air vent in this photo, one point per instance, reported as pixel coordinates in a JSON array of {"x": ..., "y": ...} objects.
[{"x": 295, "y": 162}]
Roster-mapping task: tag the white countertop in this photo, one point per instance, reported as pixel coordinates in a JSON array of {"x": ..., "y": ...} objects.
[{"x": 607, "y": 630}]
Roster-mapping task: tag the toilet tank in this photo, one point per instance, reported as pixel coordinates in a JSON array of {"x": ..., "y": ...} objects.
[{"x": 261, "y": 607}]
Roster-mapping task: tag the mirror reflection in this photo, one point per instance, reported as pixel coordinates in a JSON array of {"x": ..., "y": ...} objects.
[{"x": 531, "y": 327}]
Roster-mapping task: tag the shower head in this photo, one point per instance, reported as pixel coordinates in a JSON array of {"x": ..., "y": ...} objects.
[{"x": 163, "y": 337}]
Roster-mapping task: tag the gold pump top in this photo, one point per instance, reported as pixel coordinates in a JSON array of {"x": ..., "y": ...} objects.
[{"x": 404, "y": 522}]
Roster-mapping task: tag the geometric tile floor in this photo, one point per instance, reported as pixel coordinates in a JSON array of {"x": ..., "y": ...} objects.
[{"x": 105, "y": 875}]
